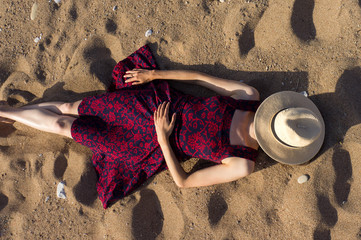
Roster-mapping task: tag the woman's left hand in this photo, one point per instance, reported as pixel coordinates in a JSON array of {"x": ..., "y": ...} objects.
[
  {"x": 161, "y": 122},
  {"x": 139, "y": 76}
]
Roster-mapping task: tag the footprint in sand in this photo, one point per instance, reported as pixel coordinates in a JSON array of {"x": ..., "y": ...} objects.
[
  {"x": 111, "y": 26},
  {"x": 329, "y": 218},
  {"x": 73, "y": 165},
  {"x": 85, "y": 190},
  {"x": 342, "y": 166},
  {"x": 13, "y": 89},
  {"x": 147, "y": 220},
  {"x": 4, "y": 200},
  {"x": 57, "y": 47},
  {"x": 302, "y": 20},
  {"x": 154, "y": 214},
  {"x": 100, "y": 59},
  {"x": 217, "y": 207},
  {"x": 327, "y": 19},
  {"x": 4, "y": 73},
  {"x": 60, "y": 165},
  {"x": 73, "y": 12},
  {"x": 243, "y": 27}
]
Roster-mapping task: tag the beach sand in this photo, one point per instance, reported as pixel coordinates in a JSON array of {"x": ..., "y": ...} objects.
[{"x": 276, "y": 45}]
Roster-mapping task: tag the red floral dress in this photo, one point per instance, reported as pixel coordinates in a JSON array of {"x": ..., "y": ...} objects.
[{"x": 118, "y": 126}]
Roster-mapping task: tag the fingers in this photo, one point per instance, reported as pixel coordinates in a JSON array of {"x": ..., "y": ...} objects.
[
  {"x": 158, "y": 112},
  {"x": 162, "y": 110},
  {"x": 131, "y": 75},
  {"x": 133, "y": 71},
  {"x": 166, "y": 110},
  {"x": 173, "y": 120}
]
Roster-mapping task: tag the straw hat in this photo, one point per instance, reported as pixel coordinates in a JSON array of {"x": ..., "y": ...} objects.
[{"x": 289, "y": 127}]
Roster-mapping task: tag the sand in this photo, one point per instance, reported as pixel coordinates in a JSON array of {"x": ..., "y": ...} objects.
[{"x": 274, "y": 45}]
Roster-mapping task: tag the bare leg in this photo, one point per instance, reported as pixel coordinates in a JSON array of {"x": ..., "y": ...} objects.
[
  {"x": 40, "y": 118},
  {"x": 57, "y": 107}
]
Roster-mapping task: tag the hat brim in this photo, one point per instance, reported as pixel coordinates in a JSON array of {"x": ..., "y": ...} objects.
[{"x": 265, "y": 136}]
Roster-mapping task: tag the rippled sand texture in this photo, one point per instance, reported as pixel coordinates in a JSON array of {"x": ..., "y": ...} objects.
[{"x": 300, "y": 45}]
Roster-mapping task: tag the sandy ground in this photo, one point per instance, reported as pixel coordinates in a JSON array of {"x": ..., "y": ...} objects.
[{"x": 300, "y": 45}]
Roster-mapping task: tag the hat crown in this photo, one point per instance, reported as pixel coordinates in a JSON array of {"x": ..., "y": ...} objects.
[{"x": 297, "y": 127}]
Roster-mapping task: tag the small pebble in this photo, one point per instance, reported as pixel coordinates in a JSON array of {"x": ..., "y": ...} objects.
[
  {"x": 47, "y": 199},
  {"x": 302, "y": 179},
  {"x": 222, "y": 1},
  {"x": 57, "y": 1},
  {"x": 304, "y": 93},
  {"x": 148, "y": 32},
  {"x": 37, "y": 39},
  {"x": 34, "y": 10},
  {"x": 115, "y": 8}
]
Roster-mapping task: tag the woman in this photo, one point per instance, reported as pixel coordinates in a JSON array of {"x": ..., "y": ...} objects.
[{"x": 129, "y": 131}]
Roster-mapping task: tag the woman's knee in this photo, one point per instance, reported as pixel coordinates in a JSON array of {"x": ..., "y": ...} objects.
[
  {"x": 62, "y": 125},
  {"x": 69, "y": 108}
]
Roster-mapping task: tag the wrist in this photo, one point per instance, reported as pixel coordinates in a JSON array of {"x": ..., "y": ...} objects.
[
  {"x": 155, "y": 74},
  {"x": 163, "y": 141}
]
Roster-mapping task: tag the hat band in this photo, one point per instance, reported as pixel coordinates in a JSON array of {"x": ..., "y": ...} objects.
[{"x": 275, "y": 134}]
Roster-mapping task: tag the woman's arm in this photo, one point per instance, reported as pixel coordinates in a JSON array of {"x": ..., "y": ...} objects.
[
  {"x": 221, "y": 86},
  {"x": 231, "y": 168},
  {"x": 234, "y": 169}
]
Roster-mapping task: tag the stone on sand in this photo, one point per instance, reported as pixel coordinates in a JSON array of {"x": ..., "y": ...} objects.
[
  {"x": 302, "y": 179},
  {"x": 60, "y": 190}
]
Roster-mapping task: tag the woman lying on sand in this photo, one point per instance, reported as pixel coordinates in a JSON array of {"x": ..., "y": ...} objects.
[{"x": 129, "y": 131}]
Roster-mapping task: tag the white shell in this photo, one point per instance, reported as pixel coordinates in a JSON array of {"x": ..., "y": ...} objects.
[
  {"x": 148, "y": 32},
  {"x": 37, "y": 39},
  {"x": 60, "y": 191},
  {"x": 34, "y": 10},
  {"x": 302, "y": 179},
  {"x": 57, "y": 1},
  {"x": 304, "y": 93}
]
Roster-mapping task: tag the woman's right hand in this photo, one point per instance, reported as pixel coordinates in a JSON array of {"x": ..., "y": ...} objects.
[{"x": 139, "y": 76}]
